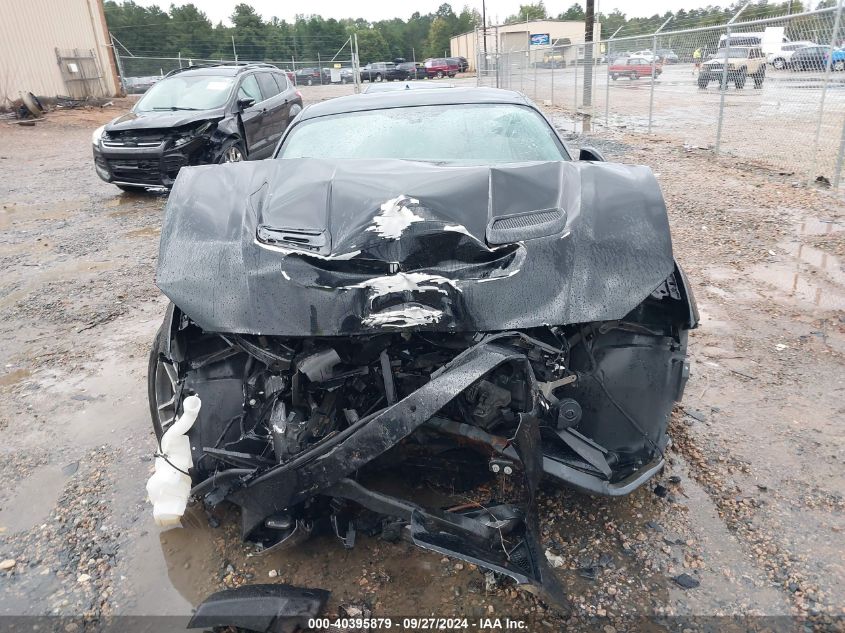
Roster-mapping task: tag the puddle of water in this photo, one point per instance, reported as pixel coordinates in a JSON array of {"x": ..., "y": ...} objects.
[
  {"x": 12, "y": 212},
  {"x": 150, "y": 231},
  {"x": 34, "y": 499},
  {"x": 813, "y": 276},
  {"x": 14, "y": 377}
]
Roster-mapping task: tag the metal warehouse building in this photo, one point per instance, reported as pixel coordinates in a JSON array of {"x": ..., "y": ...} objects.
[
  {"x": 534, "y": 36},
  {"x": 55, "y": 47}
]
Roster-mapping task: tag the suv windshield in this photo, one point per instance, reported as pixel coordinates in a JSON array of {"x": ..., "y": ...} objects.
[
  {"x": 733, "y": 52},
  {"x": 466, "y": 133},
  {"x": 187, "y": 92}
]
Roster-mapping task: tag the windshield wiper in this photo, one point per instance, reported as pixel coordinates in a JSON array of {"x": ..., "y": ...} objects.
[{"x": 174, "y": 108}]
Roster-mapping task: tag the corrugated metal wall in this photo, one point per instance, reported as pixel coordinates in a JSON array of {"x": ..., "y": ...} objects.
[{"x": 30, "y": 33}]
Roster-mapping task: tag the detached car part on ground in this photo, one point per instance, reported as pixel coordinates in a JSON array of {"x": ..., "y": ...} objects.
[
  {"x": 196, "y": 116},
  {"x": 509, "y": 322}
]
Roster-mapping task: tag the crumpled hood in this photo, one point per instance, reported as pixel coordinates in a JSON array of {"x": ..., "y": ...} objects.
[
  {"x": 166, "y": 119},
  {"x": 311, "y": 247}
]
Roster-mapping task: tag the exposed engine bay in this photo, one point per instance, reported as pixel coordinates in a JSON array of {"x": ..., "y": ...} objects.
[{"x": 293, "y": 426}]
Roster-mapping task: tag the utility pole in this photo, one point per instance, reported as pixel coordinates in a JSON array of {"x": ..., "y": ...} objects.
[
  {"x": 589, "y": 21},
  {"x": 234, "y": 50},
  {"x": 484, "y": 31}
]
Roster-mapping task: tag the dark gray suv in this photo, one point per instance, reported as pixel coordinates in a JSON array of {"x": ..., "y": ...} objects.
[{"x": 196, "y": 116}]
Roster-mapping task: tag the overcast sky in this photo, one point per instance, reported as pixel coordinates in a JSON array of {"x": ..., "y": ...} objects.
[{"x": 497, "y": 10}]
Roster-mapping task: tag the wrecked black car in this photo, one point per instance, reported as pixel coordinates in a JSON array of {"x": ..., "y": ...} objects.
[
  {"x": 451, "y": 284},
  {"x": 195, "y": 116}
]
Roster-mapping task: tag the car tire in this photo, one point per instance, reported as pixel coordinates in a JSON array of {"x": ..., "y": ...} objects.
[
  {"x": 452, "y": 76},
  {"x": 634, "y": 76},
  {"x": 838, "y": 66},
  {"x": 231, "y": 152},
  {"x": 614, "y": 76},
  {"x": 379, "y": 78},
  {"x": 703, "y": 81},
  {"x": 158, "y": 380},
  {"x": 779, "y": 63},
  {"x": 759, "y": 78},
  {"x": 309, "y": 81},
  {"x": 439, "y": 74},
  {"x": 739, "y": 80}
]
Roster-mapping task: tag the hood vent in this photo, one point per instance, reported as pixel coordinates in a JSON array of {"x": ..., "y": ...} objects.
[{"x": 506, "y": 229}]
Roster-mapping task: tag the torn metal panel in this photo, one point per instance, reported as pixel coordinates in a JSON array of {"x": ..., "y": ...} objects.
[{"x": 307, "y": 247}]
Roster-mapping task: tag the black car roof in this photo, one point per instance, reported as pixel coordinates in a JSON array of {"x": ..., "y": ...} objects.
[
  {"x": 227, "y": 70},
  {"x": 410, "y": 98}
]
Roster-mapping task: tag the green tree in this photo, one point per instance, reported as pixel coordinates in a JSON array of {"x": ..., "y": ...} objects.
[
  {"x": 575, "y": 12},
  {"x": 438, "y": 37},
  {"x": 528, "y": 12},
  {"x": 372, "y": 47}
]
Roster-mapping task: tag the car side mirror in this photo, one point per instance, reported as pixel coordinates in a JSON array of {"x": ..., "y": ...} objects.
[
  {"x": 590, "y": 154},
  {"x": 245, "y": 103}
]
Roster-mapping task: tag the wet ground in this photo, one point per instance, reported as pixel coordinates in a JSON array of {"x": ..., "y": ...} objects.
[{"x": 747, "y": 519}]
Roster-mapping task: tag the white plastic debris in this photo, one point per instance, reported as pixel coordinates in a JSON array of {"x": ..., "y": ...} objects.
[{"x": 170, "y": 485}]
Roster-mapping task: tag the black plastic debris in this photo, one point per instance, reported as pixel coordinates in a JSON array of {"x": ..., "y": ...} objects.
[
  {"x": 262, "y": 608},
  {"x": 686, "y": 581}
]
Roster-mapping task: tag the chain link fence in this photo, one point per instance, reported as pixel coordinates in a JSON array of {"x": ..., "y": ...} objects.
[
  {"x": 769, "y": 92},
  {"x": 138, "y": 73}
]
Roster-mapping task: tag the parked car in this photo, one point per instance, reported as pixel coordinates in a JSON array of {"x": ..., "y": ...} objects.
[
  {"x": 139, "y": 85},
  {"x": 780, "y": 59},
  {"x": 633, "y": 68},
  {"x": 742, "y": 61},
  {"x": 489, "y": 325},
  {"x": 415, "y": 70},
  {"x": 461, "y": 62},
  {"x": 439, "y": 67},
  {"x": 667, "y": 56},
  {"x": 383, "y": 71},
  {"x": 196, "y": 116},
  {"x": 311, "y": 77},
  {"x": 344, "y": 76},
  {"x": 815, "y": 58},
  {"x": 646, "y": 54}
]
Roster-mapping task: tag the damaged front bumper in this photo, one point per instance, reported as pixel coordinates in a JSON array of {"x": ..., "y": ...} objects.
[{"x": 289, "y": 428}]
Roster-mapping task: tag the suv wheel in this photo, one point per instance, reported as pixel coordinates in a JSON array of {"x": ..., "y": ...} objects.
[
  {"x": 779, "y": 63},
  {"x": 309, "y": 81},
  {"x": 378, "y": 77},
  {"x": 232, "y": 152},
  {"x": 760, "y": 77},
  {"x": 838, "y": 66},
  {"x": 739, "y": 80},
  {"x": 703, "y": 81},
  {"x": 439, "y": 74}
]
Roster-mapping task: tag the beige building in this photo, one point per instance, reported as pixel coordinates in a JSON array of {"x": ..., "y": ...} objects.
[
  {"x": 55, "y": 47},
  {"x": 538, "y": 38}
]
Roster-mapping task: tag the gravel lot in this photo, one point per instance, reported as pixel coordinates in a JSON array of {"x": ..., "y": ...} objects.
[{"x": 747, "y": 519}]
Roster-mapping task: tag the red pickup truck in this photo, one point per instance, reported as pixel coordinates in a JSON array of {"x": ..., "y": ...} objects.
[{"x": 633, "y": 68}]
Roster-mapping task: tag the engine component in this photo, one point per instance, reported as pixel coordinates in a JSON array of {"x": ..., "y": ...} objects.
[{"x": 568, "y": 413}]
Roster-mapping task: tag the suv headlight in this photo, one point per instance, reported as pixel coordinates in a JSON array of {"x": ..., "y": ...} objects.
[
  {"x": 97, "y": 135},
  {"x": 192, "y": 134}
]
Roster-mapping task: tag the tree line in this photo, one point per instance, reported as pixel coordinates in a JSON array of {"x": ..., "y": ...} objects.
[{"x": 187, "y": 32}]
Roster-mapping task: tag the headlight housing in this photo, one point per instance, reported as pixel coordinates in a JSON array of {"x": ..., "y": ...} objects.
[
  {"x": 97, "y": 135},
  {"x": 190, "y": 135}
]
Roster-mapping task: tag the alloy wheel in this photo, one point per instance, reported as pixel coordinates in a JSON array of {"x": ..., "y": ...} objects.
[{"x": 233, "y": 155}]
